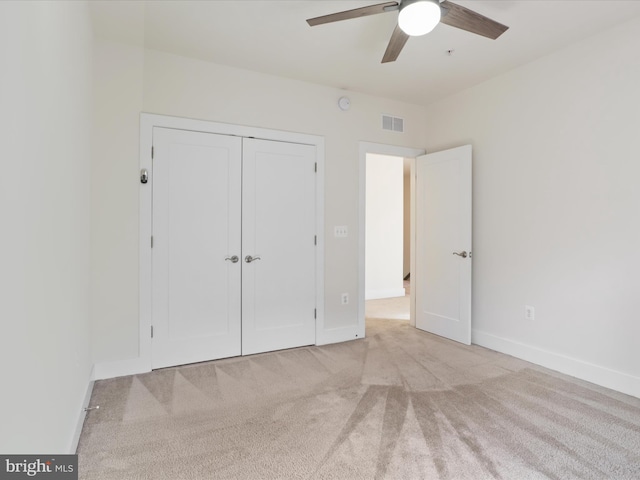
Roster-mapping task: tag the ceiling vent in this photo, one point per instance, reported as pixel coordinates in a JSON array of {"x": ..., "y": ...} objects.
[{"x": 393, "y": 124}]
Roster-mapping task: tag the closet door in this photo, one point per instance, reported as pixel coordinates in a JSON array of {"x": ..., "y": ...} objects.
[
  {"x": 278, "y": 246},
  {"x": 196, "y": 301}
]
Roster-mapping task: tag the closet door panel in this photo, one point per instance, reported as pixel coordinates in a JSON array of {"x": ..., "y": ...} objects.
[
  {"x": 196, "y": 227},
  {"x": 278, "y": 246}
]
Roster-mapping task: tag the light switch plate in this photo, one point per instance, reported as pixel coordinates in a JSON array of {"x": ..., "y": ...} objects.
[
  {"x": 529, "y": 313},
  {"x": 341, "y": 231}
]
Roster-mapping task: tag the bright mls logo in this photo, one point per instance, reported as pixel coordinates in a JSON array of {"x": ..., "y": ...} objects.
[{"x": 49, "y": 467}]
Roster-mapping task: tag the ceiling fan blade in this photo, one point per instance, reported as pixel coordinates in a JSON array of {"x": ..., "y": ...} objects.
[
  {"x": 396, "y": 44},
  {"x": 355, "y": 13},
  {"x": 465, "y": 19}
]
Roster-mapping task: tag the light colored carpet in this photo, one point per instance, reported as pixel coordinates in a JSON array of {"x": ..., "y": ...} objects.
[
  {"x": 396, "y": 308},
  {"x": 400, "y": 404}
]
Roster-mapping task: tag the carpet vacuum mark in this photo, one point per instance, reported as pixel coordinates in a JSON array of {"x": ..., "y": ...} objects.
[{"x": 399, "y": 404}]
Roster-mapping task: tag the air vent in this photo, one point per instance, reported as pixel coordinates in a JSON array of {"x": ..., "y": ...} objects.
[{"x": 393, "y": 124}]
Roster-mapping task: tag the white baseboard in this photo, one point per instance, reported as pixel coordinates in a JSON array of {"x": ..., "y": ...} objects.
[
  {"x": 390, "y": 293},
  {"x": 73, "y": 446},
  {"x": 120, "y": 368},
  {"x": 605, "y": 377},
  {"x": 135, "y": 366},
  {"x": 337, "y": 335}
]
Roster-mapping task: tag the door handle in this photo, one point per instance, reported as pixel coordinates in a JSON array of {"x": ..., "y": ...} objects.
[
  {"x": 233, "y": 259},
  {"x": 462, "y": 254},
  {"x": 250, "y": 259}
]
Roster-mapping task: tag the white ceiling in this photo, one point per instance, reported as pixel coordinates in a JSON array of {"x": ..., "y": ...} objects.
[{"x": 273, "y": 37}]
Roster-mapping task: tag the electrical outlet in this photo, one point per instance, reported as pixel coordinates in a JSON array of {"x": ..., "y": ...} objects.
[
  {"x": 529, "y": 312},
  {"x": 341, "y": 231},
  {"x": 344, "y": 299}
]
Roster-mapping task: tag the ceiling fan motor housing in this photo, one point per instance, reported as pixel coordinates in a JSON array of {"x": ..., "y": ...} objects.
[{"x": 419, "y": 17}]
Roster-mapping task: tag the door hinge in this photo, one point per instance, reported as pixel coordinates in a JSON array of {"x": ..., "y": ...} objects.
[
  {"x": 151, "y": 241},
  {"x": 315, "y": 239},
  {"x": 151, "y": 152},
  {"x": 151, "y": 331},
  {"x": 315, "y": 313},
  {"x": 315, "y": 168}
]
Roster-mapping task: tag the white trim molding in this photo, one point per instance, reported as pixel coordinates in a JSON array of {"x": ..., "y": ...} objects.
[
  {"x": 605, "y": 377},
  {"x": 121, "y": 368},
  {"x": 148, "y": 121},
  {"x": 73, "y": 444},
  {"x": 142, "y": 363},
  {"x": 340, "y": 334}
]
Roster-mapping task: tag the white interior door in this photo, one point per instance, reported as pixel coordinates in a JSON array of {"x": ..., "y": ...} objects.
[
  {"x": 196, "y": 298},
  {"x": 278, "y": 233},
  {"x": 443, "y": 243}
]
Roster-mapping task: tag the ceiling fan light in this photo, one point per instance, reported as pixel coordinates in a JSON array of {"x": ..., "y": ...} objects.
[{"x": 419, "y": 17}]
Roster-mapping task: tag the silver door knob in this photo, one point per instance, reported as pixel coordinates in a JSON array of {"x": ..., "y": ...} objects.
[
  {"x": 233, "y": 259},
  {"x": 250, "y": 259},
  {"x": 462, "y": 254}
]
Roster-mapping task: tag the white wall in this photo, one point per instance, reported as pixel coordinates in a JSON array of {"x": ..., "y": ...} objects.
[
  {"x": 553, "y": 190},
  {"x": 556, "y": 168},
  {"x": 173, "y": 85},
  {"x": 118, "y": 72},
  {"x": 384, "y": 227},
  {"x": 45, "y": 119}
]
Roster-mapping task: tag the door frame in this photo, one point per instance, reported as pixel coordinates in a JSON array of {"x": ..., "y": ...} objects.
[
  {"x": 395, "y": 151},
  {"x": 147, "y": 123}
]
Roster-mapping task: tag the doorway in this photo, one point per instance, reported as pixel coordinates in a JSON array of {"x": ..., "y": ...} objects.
[
  {"x": 440, "y": 287},
  {"x": 367, "y": 148},
  {"x": 387, "y": 249}
]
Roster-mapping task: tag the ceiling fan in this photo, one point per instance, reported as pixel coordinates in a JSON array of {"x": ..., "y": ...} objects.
[{"x": 418, "y": 17}]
